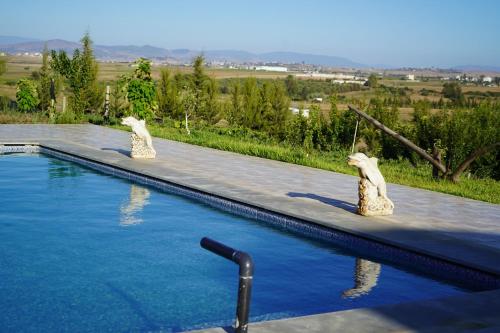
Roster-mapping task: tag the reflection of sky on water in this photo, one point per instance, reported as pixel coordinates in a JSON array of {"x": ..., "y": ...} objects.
[
  {"x": 365, "y": 278},
  {"x": 129, "y": 210}
]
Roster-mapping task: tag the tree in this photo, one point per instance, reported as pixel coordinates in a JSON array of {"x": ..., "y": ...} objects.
[
  {"x": 188, "y": 102},
  {"x": 3, "y": 67},
  {"x": 466, "y": 134},
  {"x": 199, "y": 78},
  {"x": 168, "y": 96},
  {"x": 265, "y": 109},
  {"x": 236, "y": 114},
  {"x": 45, "y": 81},
  {"x": 280, "y": 104},
  {"x": 81, "y": 72},
  {"x": 26, "y": 95},
  {"x": 372, "y": 81},
  {"x": 141, "y": 91},
  {"x": 211, "y": 105},
  {"x": 118, "y": 103},
  {"x": 292, "y": 87},
  {"x": 453, "y": 91},
  {"x": 251, "y": 99}
]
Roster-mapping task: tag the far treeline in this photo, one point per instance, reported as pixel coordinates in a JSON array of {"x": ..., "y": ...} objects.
[{"x": 260, "y": 109}]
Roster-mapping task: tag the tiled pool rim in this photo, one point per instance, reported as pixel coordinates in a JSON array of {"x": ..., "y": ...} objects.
[{"x": 438, "y": 267}]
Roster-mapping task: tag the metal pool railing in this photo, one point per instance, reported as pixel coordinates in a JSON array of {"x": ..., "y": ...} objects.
[{"x": 245, "y": 263}]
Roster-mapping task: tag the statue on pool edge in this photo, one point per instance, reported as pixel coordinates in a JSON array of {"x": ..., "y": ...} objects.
[
  {"x": 372, "y": 189},
  {"x": 142, "y": 144}
]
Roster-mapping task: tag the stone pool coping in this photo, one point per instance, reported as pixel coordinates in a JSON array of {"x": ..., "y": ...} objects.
[
  {"x": 455, "y": 229},
  {"x": 475, "y": 312}
]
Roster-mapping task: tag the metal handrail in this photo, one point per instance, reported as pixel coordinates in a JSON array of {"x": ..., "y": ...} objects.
[{"x": 245, "y": 263}]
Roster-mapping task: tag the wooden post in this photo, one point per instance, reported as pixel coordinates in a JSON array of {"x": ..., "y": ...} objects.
[
  {"x": 64, "y": 104},
  {"x": 436, "y": 154},
  {"x": 401, "y": 139},
  {"x": 106, "y": 104}
]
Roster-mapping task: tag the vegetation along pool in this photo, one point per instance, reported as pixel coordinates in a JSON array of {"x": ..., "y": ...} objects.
[{"x": 84, "y": 251}]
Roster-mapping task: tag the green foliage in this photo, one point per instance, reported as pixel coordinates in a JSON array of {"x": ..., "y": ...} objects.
[
  {"x": 118, "y": 103},
  {"x": 460, "y": 132},
  {"x": 44, "y": 81},
  {"x": 141, "y": 95},
  {"x": 3, "y": 66},
  {"x": 453, "y": 91},
  {"x": 26, "y": 95},
  {"x": 372, "y": 81},
  {"x": 236, "y": 109},
  {"x": 81, "y": 74},
  {"x": 140, "y": 91},
  {"x": 168, "y": 96},
  {"x": 251, "y": 97},
  {"x": 292, "y": 86}
]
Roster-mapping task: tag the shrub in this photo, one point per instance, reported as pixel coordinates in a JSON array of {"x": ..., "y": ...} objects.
[{"x": 26, "y": 95}]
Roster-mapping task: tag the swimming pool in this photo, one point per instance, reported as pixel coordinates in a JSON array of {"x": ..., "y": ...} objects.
[{"x": 85, "y": 251}]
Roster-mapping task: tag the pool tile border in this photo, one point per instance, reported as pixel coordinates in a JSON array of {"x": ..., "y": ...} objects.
[{"x": 440, "y": 268}]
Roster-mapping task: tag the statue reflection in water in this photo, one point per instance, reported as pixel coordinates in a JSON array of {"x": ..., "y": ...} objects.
[
  {"x": 138, "y": 199},
  {"x": 365, "y": 278}
]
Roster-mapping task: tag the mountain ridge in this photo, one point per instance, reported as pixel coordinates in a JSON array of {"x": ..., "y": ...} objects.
[
  {"x": 180, "y": 56},
  {"x": 132, "y": 52}
]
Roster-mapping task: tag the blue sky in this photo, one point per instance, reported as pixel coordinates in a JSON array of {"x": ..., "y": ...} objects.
[{"x": 439, "y": 33}]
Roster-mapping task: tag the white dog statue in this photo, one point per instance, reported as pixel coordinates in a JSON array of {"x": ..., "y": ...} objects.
[
  {"x": 372, "y": 189},
  {"x": 142, "y": 144}
]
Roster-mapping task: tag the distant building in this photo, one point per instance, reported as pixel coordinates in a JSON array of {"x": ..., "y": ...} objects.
[
  {"x": 335, "y": 76},
  {"x": 271, "y": 68},
  {"x": 487, "y": 79},
  {"x": 410, "y": 77},
  {"x": 297, "y": 111},
  {"x": 360, "y": 81},
  {"x": 318, "y": 100}
]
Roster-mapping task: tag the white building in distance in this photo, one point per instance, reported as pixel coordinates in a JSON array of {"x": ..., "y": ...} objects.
[
  {"x": 410, "y": 77},
  {"x": 271, "y": 68},
  {"x": 296, "y": 111}
]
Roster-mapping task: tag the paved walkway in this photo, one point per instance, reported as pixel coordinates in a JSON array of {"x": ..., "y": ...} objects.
[{"x": 453, "y": 228}]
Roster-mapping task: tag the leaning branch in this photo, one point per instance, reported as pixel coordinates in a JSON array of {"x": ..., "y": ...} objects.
[{"x": 401, "y": 139}]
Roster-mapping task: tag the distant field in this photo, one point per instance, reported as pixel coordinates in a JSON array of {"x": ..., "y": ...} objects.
[{"x": 23, "y": 66}]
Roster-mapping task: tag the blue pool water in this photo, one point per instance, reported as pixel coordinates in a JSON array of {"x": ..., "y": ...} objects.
[{"x": 83, "y": 251}]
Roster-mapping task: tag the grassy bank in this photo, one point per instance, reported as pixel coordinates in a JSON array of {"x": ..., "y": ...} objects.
[{"x": 398, "y": 172}]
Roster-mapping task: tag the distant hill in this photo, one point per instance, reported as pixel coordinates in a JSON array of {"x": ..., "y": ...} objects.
[
  {"x": 132, "y": 52},
  {"x": 477, "y": 68},
  {"x": 322, "y": 60}
]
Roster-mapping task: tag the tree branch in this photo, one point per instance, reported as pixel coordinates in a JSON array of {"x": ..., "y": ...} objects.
[{"x": 401, "y": 139}]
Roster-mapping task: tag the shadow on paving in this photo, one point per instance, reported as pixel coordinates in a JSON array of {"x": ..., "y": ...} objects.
[
  {"x": 121, "y": 151},
  {"x": 350, "y": 207}
]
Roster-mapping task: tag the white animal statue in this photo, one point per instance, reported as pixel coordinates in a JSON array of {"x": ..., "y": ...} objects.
[
  {"x": 373, "y": 198},
  {"x": 142, "y": 144}
]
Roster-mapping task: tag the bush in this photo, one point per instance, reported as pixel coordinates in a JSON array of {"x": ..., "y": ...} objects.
[{"x": 26, "y": 95}]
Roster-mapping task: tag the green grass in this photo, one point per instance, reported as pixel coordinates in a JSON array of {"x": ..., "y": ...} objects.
[{"x": 398, "y": 172}]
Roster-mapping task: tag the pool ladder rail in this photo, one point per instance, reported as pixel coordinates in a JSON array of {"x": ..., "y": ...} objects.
[{"x": 245, "y": 264}]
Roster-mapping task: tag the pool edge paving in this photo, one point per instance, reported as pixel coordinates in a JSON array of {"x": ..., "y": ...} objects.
[{"x": 465, "y": 251}]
